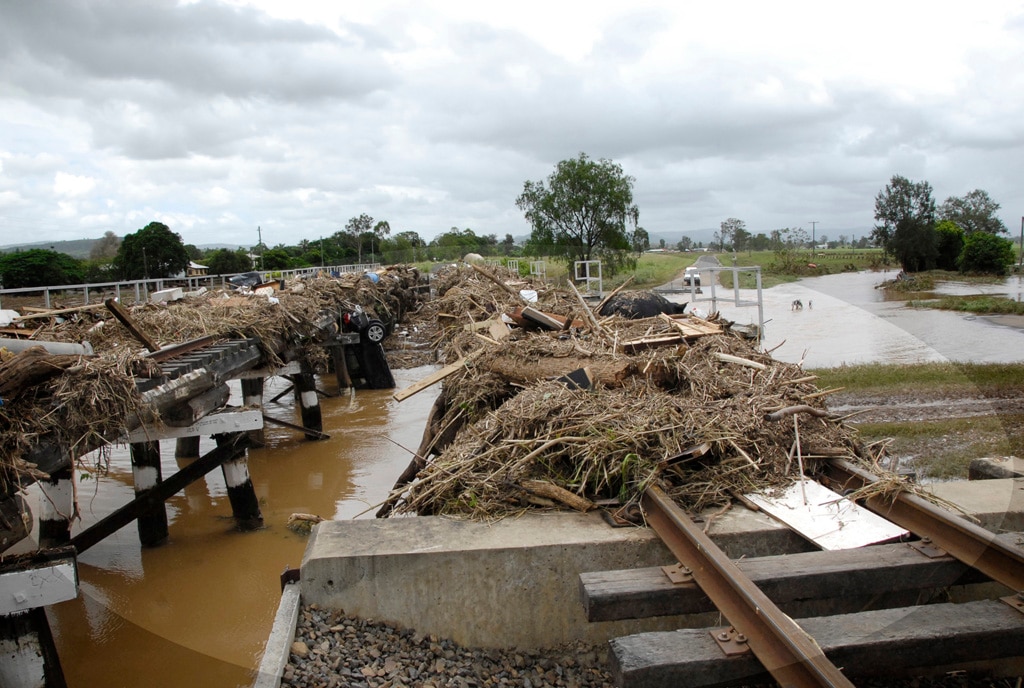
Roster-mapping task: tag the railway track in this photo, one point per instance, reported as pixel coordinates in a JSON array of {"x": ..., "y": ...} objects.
[{"x": 819, "y": 618}]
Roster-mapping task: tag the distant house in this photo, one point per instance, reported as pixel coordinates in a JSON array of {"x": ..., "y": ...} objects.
[{"x": 196, "y": 270}]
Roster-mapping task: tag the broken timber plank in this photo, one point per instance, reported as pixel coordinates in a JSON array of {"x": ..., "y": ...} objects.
[
  {"x": 691, "y": 327},
  {"x": 497, "y": 329},
  {"x": 825, "y": 517},
  {"x": 847, "y": 576},
  {"x": 651, "y": 342},
  {"x": 43, "y": 313},
  {"x": 18, "y": 332},
  {"x": 905, "y": 641},
  {"x": 434, "y": 377},
  {"x": 122, "y": 315},
  {"x": 541, "y": 318},
  {"x": 729, "y": 358}
]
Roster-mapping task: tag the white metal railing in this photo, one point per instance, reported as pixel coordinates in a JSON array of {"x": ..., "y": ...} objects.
[{"x": 140, "y": 289}]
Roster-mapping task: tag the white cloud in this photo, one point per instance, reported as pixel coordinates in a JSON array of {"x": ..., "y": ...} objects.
[
  {"x": 73, "y": 185},
  {"x": 216, "y": 117}
]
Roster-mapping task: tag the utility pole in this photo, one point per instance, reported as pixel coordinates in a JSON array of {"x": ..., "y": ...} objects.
[
  {"x": 259, "y": 233},
  {"x": 1020, "y": 262},
  {"x": 814, "y": 243},
  {"x": 321, "y": 250}
]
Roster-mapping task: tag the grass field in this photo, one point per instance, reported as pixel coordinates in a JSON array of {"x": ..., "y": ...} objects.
[
  {"x": 989, "y": 424},
  {"x": 654, "y": 269}
]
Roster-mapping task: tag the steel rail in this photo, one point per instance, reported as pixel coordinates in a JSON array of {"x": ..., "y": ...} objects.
[
  {"x": 967, "y": 542},
  {"x": 791, "y": 656}
]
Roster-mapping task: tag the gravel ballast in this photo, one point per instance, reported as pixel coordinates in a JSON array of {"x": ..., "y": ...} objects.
[{"x": 331, "y": 649}]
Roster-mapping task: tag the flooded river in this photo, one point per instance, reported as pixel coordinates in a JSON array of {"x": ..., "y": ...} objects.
[{"x": 197, "y": 611}]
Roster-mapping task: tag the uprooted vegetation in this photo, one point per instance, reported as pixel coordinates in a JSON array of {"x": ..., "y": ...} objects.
[{"x": 684, "y": 402}]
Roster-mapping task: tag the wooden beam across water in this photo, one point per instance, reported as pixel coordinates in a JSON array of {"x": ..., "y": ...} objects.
[{"x": 162, "y": 491}]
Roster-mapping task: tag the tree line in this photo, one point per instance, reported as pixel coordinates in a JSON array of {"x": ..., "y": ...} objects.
[
  {"x": 963, "y": 233},
  {"x": 155, "y": 251},
  {"x": 583, "y": 211}
]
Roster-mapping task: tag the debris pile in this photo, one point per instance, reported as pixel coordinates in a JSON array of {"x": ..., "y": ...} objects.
[
  {"x": 563, "y": 410},
  {"x": 83, "y": 401}
]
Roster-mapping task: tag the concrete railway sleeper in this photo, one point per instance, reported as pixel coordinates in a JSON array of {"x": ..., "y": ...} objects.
[{"x": 906, "y": 639}]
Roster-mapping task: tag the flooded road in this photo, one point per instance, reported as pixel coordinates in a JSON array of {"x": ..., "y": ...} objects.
[
  {"x": 845, "y": 320},
  {"x": 197, "y": 611}
]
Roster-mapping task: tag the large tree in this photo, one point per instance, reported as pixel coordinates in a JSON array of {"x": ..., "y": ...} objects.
[
  {"x": 727, "y": 230},
  {"x": 105, "y": 249},
  {"x": 153, "y": 251},
  {"x": 226, "y": 262},
  {"x": 905, "y": 211},
  {"x": 582, "y": 212},
  {"x": 356, "y": 227},
  {"x": 641, "y": 240},
  {"x": 973, "y": 212},
  {"x": 39, "y": 268}
]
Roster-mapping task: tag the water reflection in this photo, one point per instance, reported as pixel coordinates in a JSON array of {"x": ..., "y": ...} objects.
[
  {"x": 846, "y": 320},
  {"x": 197, "y": 611}
]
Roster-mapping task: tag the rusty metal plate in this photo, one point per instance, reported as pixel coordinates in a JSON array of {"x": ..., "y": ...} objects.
[
  {"x": 1015, "y": 601},
  {"x": 678, "y": 573},
  {"x": 730, "y": 641},
  {"x": 927, "y": 548}
]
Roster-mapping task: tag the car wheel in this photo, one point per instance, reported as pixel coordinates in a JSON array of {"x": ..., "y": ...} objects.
[{"x": 375, "y": 331}]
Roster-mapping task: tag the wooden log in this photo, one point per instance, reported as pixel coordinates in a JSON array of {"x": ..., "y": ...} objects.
[
  {"x": 588, "y": 315},
  {"x": 125, "y": 319},
  {"x": 543, "y": 488},
  {"x": 500, "y": 283},
  {"x": 847, "y": 577},
  {"x": 905, "y": 641},
  {"x": 609, "y": 371}
]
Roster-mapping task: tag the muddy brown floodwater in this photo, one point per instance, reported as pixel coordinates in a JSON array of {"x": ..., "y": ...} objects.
[{"x": 197, "y": 611}]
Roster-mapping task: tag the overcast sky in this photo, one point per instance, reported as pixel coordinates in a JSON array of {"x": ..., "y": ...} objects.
[{"x": 219, "y": 117}]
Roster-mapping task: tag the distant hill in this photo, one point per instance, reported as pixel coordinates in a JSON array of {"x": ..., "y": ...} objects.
[
  {"x": 77, "y": 248},
  {"x": 81, "y": 248}
]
